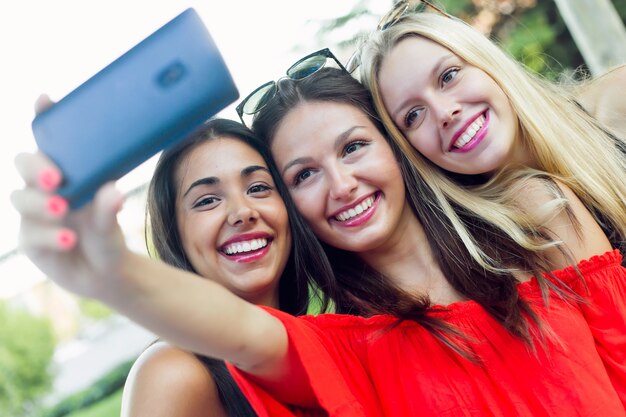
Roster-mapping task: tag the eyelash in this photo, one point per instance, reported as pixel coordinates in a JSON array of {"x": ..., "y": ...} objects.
[
  {"x": 253, "y": 189},
  {"x": 264, "y": 187},
  {"x": 410, "y": 118},
  {"x": 448, "y": 72},
  {"x": 204, "y": 201},
  {"x": 359, "y": 143}
]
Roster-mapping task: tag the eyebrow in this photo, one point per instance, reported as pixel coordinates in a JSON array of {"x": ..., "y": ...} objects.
[
  {"x": 246, "y": 172},
  {"x": 338, "y": 141},
  {"x": 433, "y": 73}
]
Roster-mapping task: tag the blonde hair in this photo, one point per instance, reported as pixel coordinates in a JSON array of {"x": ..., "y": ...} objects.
[{"x": 565, "y": 141}]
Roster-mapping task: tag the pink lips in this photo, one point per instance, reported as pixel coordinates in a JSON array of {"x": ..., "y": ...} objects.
[
  {"x": 476, "y": 140},
  {"x": 250, "y": 256},
  {"x": 359, "y": 219}
]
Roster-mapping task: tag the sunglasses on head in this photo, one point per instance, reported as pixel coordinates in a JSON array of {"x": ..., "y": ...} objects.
[
  {"x": 303, "y": 68},
  {"x": 397, "y": 12}
]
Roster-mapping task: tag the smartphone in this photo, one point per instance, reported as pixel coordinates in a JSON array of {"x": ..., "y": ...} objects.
[{"x": 148, "y": 99}]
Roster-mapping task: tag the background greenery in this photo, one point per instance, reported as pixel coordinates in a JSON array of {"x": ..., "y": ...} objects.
[
  {"x": 25, "y": 356},
  {"x": 103, "y": 398},
  {"x": 530, "y": 30}
]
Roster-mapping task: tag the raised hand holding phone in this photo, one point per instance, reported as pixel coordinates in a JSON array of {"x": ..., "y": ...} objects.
[{"x": 146, "y": 100}]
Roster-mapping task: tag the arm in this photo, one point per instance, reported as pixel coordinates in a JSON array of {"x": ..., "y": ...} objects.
[
  {"x": 198, "y": 314},
  {"x": 603, "y": 98},
  {"x": 166, "y": 381}
]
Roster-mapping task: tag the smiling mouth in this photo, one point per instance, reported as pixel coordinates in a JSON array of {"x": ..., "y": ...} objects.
[
  {"x": 358, "y": 209},
  {"x": 245, "y": 247},
  {"x": 470, "y": 133}
]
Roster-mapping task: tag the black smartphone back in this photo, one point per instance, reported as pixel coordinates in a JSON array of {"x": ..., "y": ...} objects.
[{"x": 149, "y": 98}]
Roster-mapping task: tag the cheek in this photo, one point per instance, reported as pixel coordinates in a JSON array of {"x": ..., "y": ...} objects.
[
  {"x": 416, "y": 142},
  {"x": 279, "y": 218},
  {"x": 391, "y": 174},
  {"x": 304, "y": 204},
  {"x": 423, "y": 141},
  {"x": 511, "y": 116},
  {"x": 498, "y": 97},
  {"x": 183, "y": 232},
  {"x": 309, "y": 204},
  {"x": 198, "y": 233}
]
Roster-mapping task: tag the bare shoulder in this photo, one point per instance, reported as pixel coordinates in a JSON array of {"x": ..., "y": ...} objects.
[
  {"x": 539, "y": 196},
  {"x": 166, "y": 381},
  {"x": 533, "y": 193},
  {"x": 603, "y": 97},
  {"x": 558, "y": 209}
]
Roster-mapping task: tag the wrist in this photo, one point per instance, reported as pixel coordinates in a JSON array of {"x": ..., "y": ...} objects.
[{"x": 128, "y": 283}]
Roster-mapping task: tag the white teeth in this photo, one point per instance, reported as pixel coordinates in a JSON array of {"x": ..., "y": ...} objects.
[
  {"x": 247, "y": 246},
  {"x": 356, "y": 210},
  {"x": 470, "y": 132}
]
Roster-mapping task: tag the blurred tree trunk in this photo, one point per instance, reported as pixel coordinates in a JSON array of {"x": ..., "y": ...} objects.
[{"x": 597, "y": 30}]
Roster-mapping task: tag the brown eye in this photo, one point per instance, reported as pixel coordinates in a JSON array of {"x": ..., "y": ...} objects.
[
  {"x": 259, "y": 188},
  {"x": 206, "y": 201},
  {"x": 302, "y": 176},
  {"x": 353, "y": 147}
]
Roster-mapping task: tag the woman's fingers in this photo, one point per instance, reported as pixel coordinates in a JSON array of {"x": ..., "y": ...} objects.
[
  {"x": 43, "y": 103},
  {"x": 34, "y": 204},
  {"x": 42, "y": 221},
  {"x": 37, "y": 170},
  {"x": 35, "y": 236}
]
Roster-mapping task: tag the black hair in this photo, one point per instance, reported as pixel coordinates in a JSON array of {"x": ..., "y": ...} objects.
[{"x": 307, "y": 267}]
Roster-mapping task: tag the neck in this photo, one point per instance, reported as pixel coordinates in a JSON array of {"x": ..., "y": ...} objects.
[
  {"x": 264, "y": 298},
  {"x": 522, "y": 156},
  {"x": 407, "y": 259}
]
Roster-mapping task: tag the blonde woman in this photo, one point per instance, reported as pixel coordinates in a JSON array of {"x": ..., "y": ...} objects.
[
  {"x": 437, "y": 105},
  {"x": 504, "y": 138}
]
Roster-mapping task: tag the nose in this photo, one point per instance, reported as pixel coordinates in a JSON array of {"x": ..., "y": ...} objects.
[
  {"x": 342, "y": 183},
  {"x": 447, "y": 111},
  {"x": 241, "y": 213}
]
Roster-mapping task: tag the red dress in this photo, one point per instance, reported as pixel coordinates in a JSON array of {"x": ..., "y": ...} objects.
[{"x": 354, "y": 366}]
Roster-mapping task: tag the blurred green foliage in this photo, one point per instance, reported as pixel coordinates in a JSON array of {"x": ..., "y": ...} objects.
[
  {"x": 93, "y": 309},
  {"x": 26, "y": 347},
  {"x": 108, "y": 407},
  {"x": 532, "y": 31},
  {"x": 100, "y": 391}
]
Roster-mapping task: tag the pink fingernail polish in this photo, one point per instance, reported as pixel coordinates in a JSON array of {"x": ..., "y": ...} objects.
[
  {"x": 66, "y": 239},
  {"x": 57, "y": 206},
  {"x": 49, "y": 179}
]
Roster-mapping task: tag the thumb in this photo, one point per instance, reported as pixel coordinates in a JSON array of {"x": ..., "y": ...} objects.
[
  {"x": 108, "y": 201},
  {"x": 43, "y": 103}
]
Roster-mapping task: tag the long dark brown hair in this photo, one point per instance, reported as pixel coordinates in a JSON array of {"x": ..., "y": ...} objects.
[
  {"x": 362, "y": 290},
  {"x": 307, "y": 267}
]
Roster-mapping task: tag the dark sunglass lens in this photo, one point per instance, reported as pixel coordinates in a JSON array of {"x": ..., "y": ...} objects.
[
  {"x": 306, "y": 67},
  {"x": 259, "y": 98}
]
